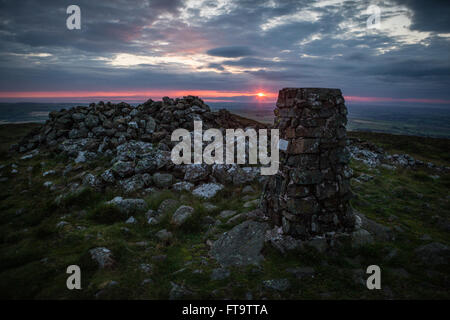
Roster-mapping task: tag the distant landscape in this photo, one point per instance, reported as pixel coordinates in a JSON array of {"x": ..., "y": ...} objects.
[{"x": 417, "y": 120}]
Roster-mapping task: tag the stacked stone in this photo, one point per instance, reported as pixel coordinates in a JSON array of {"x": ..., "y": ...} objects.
[
  {"x": 310, "y": 194},
  {"x": 114, "y": 124}
]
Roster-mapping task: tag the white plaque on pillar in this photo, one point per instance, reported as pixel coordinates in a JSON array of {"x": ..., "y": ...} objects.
[{"x": 283, "y": 145}]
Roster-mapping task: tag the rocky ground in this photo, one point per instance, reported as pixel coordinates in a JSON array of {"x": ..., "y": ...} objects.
[{"x": 95, "y": 187}]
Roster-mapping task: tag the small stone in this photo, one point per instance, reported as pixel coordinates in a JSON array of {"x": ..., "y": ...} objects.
[
  {"x": 207, "y": 190},
  {"x": 251, "y": 203},
  {"x": 103, "y": 257},
  {"x": 181, "y": 215},
  {"x": 47, "y": 173},
  {"x": 183, "y": 186},
  {"x": 62, "y": 224},
  {"x": 178, "y": 292},
  {"x": 277, "y": 284},
  {"x": 209, "y": 207},
  {"x": 164, "y": 235},
  {"x": 162, "y": 180},
  {"x": 48, "y": 184},
  {"x": 131, "y": 220},
  {"x": 129, "y": 205},
  {"x": 147, "y": 268},
  {"x": 81, "y": 157}
]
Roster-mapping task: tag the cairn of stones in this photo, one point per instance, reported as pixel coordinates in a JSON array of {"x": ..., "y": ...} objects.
[
  {"x": 109, "y": 125},
  {"x": 310, "y": 194}
]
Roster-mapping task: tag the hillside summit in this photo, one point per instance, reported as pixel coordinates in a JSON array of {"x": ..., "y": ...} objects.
[{"x": 94, "y": 186}]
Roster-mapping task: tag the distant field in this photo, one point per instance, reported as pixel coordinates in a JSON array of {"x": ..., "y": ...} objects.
[{"x": 417, "y": 120}]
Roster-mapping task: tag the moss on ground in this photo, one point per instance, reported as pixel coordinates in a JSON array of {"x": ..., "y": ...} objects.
[{"x": 35, "y": 248}]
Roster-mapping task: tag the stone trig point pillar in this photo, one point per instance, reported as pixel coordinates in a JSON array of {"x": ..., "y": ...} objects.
[{"x": 310, "y": 194}]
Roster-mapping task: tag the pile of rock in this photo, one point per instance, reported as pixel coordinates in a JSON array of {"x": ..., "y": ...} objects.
[
  {"x": 104, "y": 126},
  {"x": 310, "y": 194},
  {"x": 137, "y": 140},
  {"x": 374, "y": 156}
]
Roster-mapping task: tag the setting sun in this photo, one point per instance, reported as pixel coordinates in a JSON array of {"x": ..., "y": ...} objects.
[{"x": 260, "y": 94}]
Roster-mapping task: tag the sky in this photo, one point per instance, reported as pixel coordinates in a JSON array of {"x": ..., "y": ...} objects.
[{"x": 224, "y": 50}]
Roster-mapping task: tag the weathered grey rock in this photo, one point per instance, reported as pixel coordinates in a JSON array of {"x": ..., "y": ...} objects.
[
  {"x": 248, "y": 189},
  {"x": 48, "y": 184},
  {"x": 162, "y": 180},
  {"x": 133, "y": 124},
  {"x": 147, "y": 268},
  {"x": 227, "y": 213},
  {"x": 49, "y": 172},
  {"x": 241, "y": 245},
  {"x": 91, "y": 121},
  {"x": 108, "y": 176},
  {"x": 209, "y": 207},
  {"x": 151, "y": 125},
  {"x": 81, "y": 157},
  {"x": 131, "y": 220},
  {"x": 129, "y": 205},
  {"x": 135, "y": 183},
  {"x": 123, "y": 169},
  {"x": 62, "y": 224},
  {"x": 251, "y": 203},
  {"x": 89, "y": 180},
  {"x": 277, "y": 284},
  {"x": 379, "y": 231},
  {"x": 283, "y": 242},
  {"x": 132, "y": 149},
  {"x": 196, "y": 172},
  {"x": 167, "y": 206},
  {"x": 164, "y": 235},
  {"x": 103, "y": 257},
  {"x": 207, "y": 190},
  {"x": 182, "y": 186},
  {"x": 179, "y": 292},
  {"x": 434, "y": 254},
  {"x": 78, "y": 117},
  {"x": 361, "y": 237},
  {"x": 181, "y": 215}
]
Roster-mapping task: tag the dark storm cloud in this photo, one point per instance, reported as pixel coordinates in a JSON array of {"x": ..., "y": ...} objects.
[
  {"x": 234, "y": 45},
  {"x": 429, "y": 15},
  {"x": 231, "y": 52}
]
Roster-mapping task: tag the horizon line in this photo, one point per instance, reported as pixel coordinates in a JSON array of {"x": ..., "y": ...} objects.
[{"x": 206, "y": 95}]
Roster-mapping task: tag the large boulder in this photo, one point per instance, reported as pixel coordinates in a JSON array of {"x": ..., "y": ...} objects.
[
  {"x": 379, "y": 231},
  {"x": 241, "y": 245}
]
